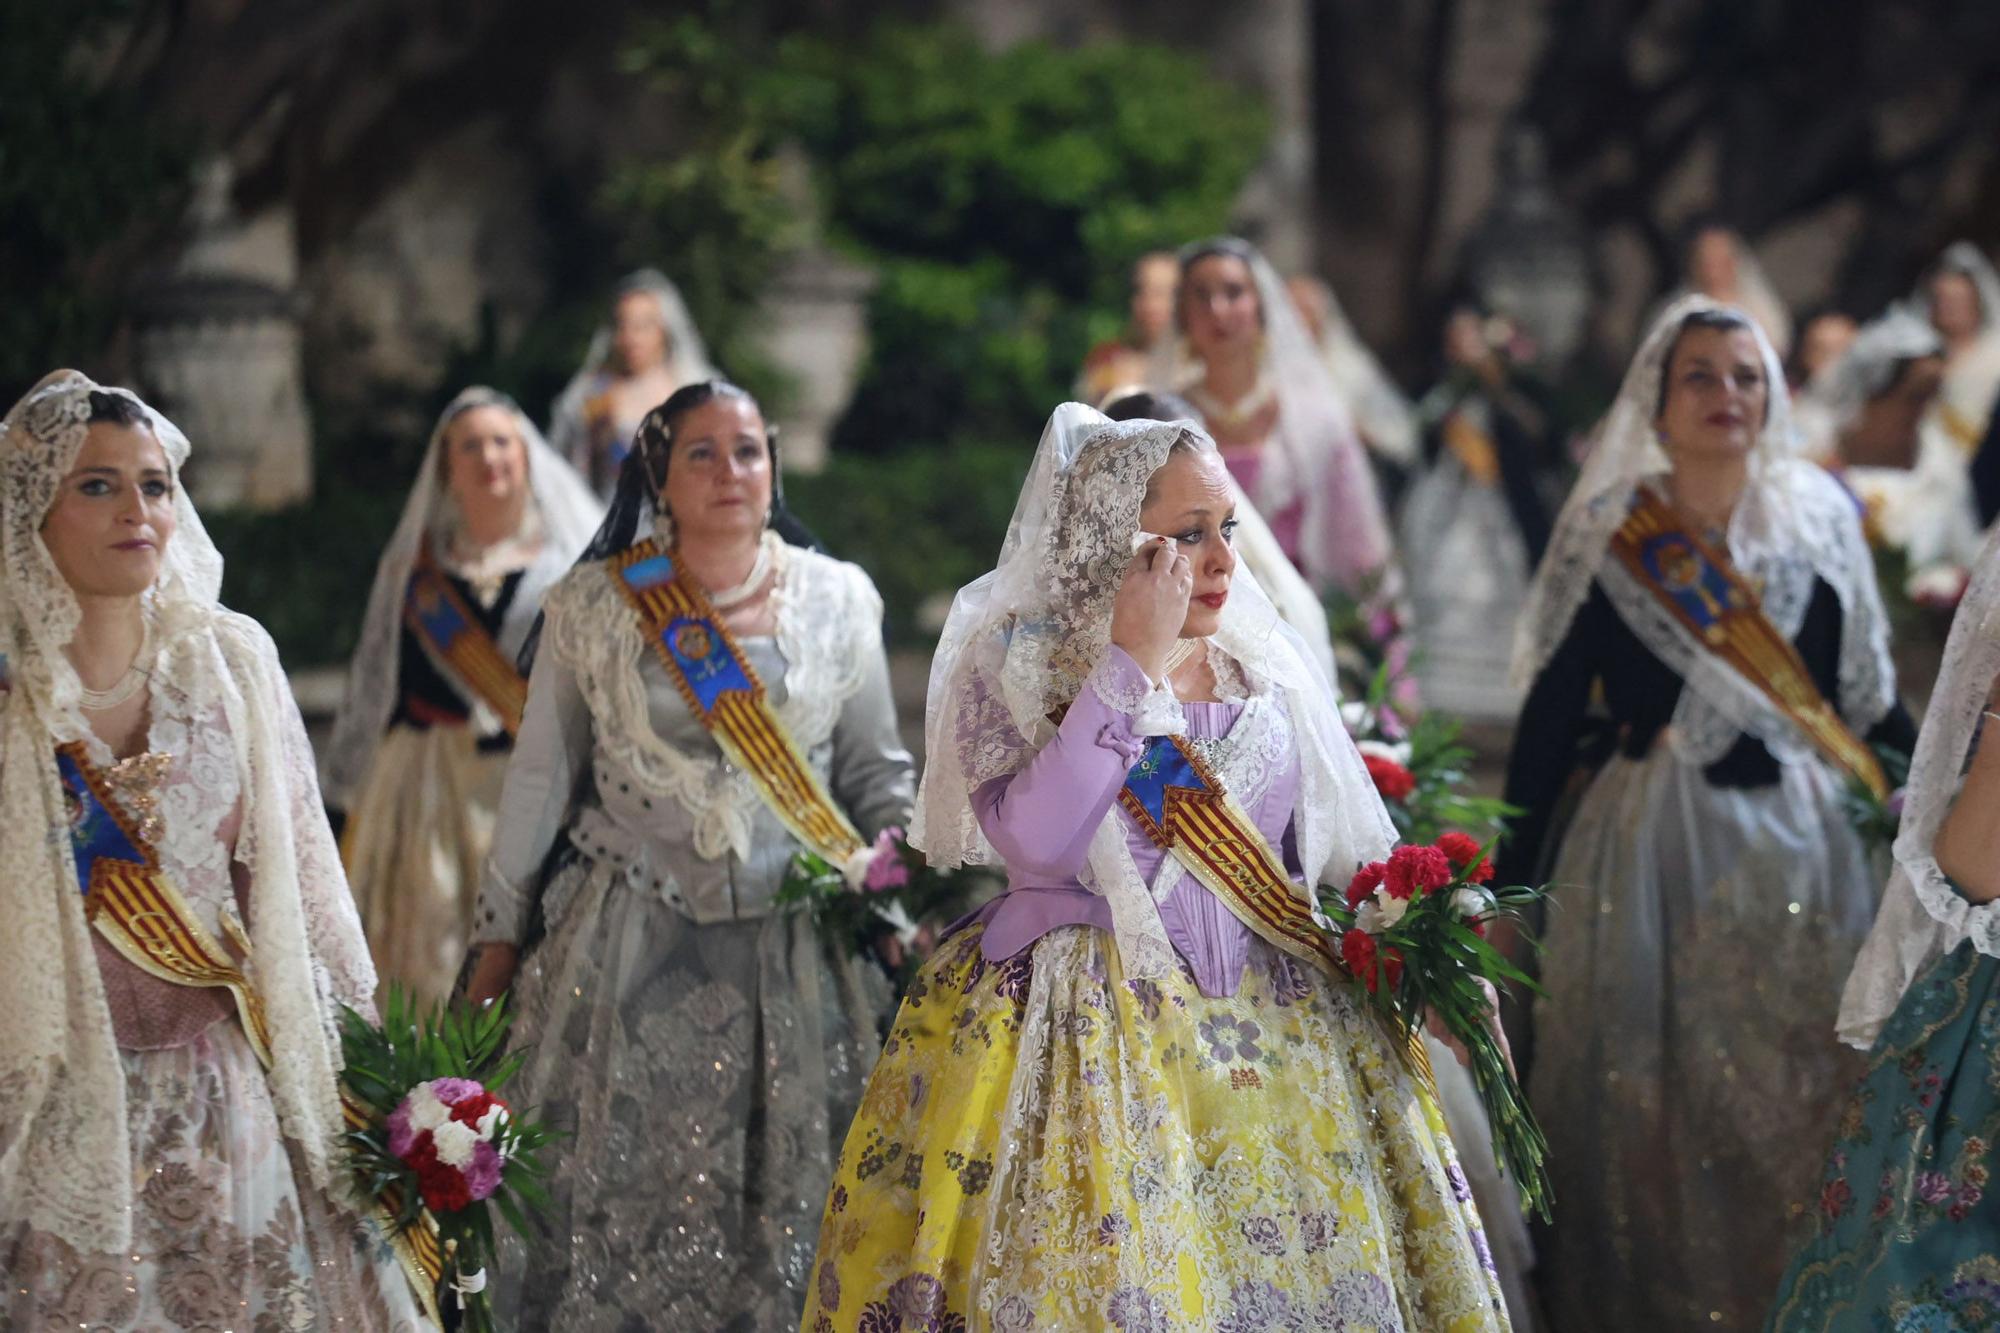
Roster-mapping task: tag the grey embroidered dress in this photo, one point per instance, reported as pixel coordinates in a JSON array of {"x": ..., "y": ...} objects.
[{"x": 705, "y": 1051}]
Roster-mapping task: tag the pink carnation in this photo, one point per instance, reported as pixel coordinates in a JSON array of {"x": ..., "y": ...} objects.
[
  {"x": 452, "y": 1091},
  {"x": 401, "y": 1138},
  {"x": 887, "y": 870},
  {"x": 482, "y": 1173}
]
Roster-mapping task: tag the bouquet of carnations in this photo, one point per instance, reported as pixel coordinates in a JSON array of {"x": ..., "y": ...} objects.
[
  {"x": 886, "y": 886},
  {"x": 1419, "y": 767},
  {"x": 431, "y": 1141},
  {"x": 1413, "y": 936}
]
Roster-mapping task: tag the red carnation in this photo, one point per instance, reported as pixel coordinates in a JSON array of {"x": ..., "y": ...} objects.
[
  {"x": 444, "y": 1188},
  {"x": 1366, "y": 880},
  {"x": 468, "y": 1110},
  {"x": 1357, "y": 950},
  {"x": 1392, "y": 780},
  {"x": 423, "y": 1154},
  {"x": 1416, "y": 870},
  {"x": 1463, "y": 851},
  {"x": 1392, "y": 967}
]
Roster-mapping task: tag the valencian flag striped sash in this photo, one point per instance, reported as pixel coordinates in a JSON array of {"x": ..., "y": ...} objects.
[
  {"x": 132, "y": 903},
  {"x": 723, "y": 692},
  {"x": 1186, "y": 811},
  {"x": 434, "y": 611},
  {"x": 1703, "y": 591}
]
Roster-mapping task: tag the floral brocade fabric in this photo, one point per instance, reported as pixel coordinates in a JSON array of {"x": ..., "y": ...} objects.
[
  {"x": 1048, "y": 1145},
  {"x": 1909, "y": 1238}
]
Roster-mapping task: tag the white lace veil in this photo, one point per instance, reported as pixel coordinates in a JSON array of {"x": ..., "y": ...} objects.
[
  {"x": 1318, "y": 456},
  {"x": 1793, "y": 523},
  {"x": 1922, "y": 916},
  {"x": 65, "y": 1155},
  {"x": 686, "y": 352},
  {"x": 1380, "y": 408},
  {"x": 1756, "y": 295},
  {"x": 1022, "y": 640},
  {"x": 1865, "y": 370},
  {"x": 1966, "y": 258},
  {"x": 563, "y": 513}
]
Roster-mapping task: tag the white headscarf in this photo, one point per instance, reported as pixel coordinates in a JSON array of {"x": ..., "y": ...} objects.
[
  {"x": 563, "y": 513},
  {"x": 1922, "y": 916},
  {"x": 1317, "y": 457},
  {"x": 686, "y": 352},
  {"x": 1793, "y": 522},
  {"x": 65, "y": 1153},
  {"x": 1022, "y": 640}
]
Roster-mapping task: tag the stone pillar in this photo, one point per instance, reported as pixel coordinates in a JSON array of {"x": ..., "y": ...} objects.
[{"x": 218, "y": 344}]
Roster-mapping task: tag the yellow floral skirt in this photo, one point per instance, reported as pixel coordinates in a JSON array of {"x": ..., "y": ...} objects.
[{"x": 1047, "y": 1145}]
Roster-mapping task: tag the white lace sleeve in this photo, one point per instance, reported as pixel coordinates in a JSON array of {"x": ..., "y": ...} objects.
[{"x": 343, "y": 967}]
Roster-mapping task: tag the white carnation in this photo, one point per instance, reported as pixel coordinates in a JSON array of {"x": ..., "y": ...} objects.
[
  {"x": 455, "y": 1141},
  {"x": 489, "y": 1124},
  {"x": 1399, "y": 753},
  {"x": 426, "y": 1111},
  {"x": 1471, "y": 901},
  {"x": 1391, "y": 907}
]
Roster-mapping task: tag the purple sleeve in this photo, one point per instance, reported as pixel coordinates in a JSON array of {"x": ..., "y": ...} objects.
[{"x": 1042, "y": 818}]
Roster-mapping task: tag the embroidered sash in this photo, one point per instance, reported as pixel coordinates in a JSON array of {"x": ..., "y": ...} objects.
[
  {"x": 1172, "y": 795},
  {"x": 450, "y": 629},
  {"x": 139, "y": 912},
  {"x": 724, "y": 694},
  {"x": 1706, "y": 594}
]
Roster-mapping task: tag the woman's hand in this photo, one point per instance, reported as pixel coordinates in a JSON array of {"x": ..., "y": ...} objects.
[
  {"x": 1151, "y": 605},
  {"x": 1492, "y": 1023},
  {"x": 492, "y": 973}
]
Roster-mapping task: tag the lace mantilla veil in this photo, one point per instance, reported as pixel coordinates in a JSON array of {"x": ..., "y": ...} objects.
[
  {"x": 1922, "y": 916},
  {"x": 564, "y": 513},
  {"x": 1792, "y": 524},
  {"x": 686, "y": 350},
  {"x": 1832, "y": 402},
  {"x": 1316, "y": 454},
  {"x": 1023, "y": 640},
  {"x": 65, "y": 1156}
]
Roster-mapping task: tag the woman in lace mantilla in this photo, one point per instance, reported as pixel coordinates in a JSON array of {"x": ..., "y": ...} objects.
[
  {"x": 153, "y": 1171},
  {"x": 1246, "y": 362},
  {"x": 1476, "y": 519},
  {"x": 1105, "y": 1102},
  {"x": 649, "y": 348},
  {"x": 1713, "y": 889},
  {"x": 704, "y": 1050},
  {"x": 1909, "y": 1224},
  {"x": 421, "y": 744}
]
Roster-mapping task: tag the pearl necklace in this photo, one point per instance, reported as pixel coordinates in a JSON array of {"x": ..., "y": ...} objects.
[
  {"x": 127, "y": 685},
  {"x": 1183, "y": 650}
]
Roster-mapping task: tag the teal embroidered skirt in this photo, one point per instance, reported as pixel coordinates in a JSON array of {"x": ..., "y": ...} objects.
[{"x": 1909, "y": 1238}]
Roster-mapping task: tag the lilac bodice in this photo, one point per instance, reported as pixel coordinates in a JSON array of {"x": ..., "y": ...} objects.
[{"x": 1041, "y": 820}]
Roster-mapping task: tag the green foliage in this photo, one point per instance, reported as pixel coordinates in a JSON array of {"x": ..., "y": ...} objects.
[
  {"x": 1003, "y": 197},
  {"x": 922, "y": 523},
  {"x": 715, "y": 214},
  {"x": 81, "y": 169}
]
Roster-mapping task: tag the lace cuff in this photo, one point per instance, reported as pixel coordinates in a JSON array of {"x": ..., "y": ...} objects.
[
  {"x": 1946, "y": 902},
  {"x": 1125, "y": 689}
]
